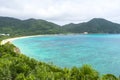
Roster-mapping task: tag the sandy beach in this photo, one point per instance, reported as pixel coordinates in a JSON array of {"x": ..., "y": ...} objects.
[{"x": 12, "y": 39}]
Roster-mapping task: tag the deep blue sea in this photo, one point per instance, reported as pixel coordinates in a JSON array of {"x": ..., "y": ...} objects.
[{"x": 101, "y": 51}]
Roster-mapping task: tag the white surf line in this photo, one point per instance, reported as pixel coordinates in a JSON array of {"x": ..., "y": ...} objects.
[{"x": 12, "y": 39}]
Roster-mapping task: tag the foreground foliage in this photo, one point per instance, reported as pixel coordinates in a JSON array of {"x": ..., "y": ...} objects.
[{"x": 16, "y": 66}]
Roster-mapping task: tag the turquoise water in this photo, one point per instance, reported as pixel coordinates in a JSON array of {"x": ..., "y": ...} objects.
[{"x": 101, "y": 51}]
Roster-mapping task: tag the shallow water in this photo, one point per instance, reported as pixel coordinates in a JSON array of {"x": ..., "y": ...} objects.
[{"x": 101, "y": 51}]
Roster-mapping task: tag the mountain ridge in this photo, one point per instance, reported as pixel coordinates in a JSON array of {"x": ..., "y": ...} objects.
[
  {"x": 95, "y": 25},
  {"x": 18, "y": 27}
]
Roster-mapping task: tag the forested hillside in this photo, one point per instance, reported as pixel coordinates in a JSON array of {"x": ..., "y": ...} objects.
[
  {"x": 96, "y": 25},
  {"x": 17, "y": 27}
]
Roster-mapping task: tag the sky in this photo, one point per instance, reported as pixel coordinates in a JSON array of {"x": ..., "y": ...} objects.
[{"x": 61, "y": 11}]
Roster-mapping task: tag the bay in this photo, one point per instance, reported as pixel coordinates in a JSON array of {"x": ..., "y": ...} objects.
[{"x": 101, "y": 51}]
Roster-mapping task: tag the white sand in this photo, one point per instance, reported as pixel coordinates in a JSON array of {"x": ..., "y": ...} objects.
[{"x": 12, "y": 39}]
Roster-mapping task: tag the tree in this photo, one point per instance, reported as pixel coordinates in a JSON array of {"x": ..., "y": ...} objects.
[
  {"x": 87, "y": 73},
  {"x": 20, "y": 77},
  {"x": 109, "y": 77}
]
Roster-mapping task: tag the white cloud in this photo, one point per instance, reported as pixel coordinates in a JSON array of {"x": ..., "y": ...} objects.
[{"x": 61, "y": 11}]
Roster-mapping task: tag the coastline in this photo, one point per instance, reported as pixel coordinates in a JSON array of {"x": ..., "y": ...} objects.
[{"x": 12, "y": 39}]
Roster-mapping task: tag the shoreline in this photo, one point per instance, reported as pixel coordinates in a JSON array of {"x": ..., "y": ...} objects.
[{"x": 15, "y": 38}]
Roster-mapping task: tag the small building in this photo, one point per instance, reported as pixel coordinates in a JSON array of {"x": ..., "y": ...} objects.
[
  {"x": 7, "y": 34},
  {"x": 4, "y": 34},
  {"x": 85, "y": 33}
]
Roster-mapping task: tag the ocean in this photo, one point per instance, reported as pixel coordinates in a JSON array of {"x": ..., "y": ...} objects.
[{"x": 101, "y": 51}]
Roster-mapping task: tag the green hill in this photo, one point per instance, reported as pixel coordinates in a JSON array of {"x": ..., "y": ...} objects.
[
  {"x": 17, "y": 27},
  {"x": 96, "y": 25},
  {"x": 27, "y": 27}
]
